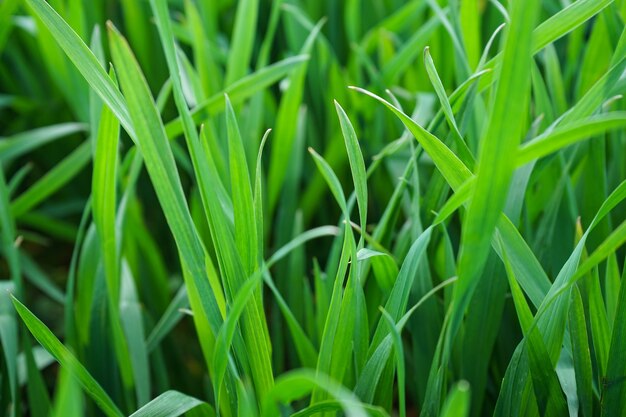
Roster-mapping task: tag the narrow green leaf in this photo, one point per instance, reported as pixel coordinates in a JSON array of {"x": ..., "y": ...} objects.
[
  {"x": 399, "y": 297},
  {"x": 569, "y": 134},
  {"x": 452, "y": 168},
  {"x": 458, "y": 401},
  {"x": 242, "y": 40},
  {"x": 332, "y": 181},
  {"x": 239, "y": 91},
  {"x": 132, "y": 323},
  {"x": 227, "y": 332},
  {"x": 171, "y": 404},
  {"x": 83, "y": 59},
  {"x": 464, "y": 152},
  {"x": 169, "y": 319},
  {"x": 545, "y": 382},
  {"x": 67, "y": 360},
  {"x": 9, "y": 339},
  {"x": 104, "y": 185},
  {"x": 613, "y": 387},
  {"x": 335, "y": 406},
  {"x": 494, "y": 169},
  {"x": 159, "y": 161},
  {"x": 566, "y": 20},
  {"x": 286, "y": 123},
  {"x": 243, "y": 206},
  {"x": 357, "y": 165},
  {"x": 399, "y": 355},
  {"x": 581, "y": 353},
  {"x": 24, "y": 142},
  {"x": 296, "y": 384},
  {"x": 56, "y": 178}
]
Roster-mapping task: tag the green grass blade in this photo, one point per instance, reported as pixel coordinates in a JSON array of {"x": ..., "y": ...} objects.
[
  {"x": 357, "y": 165},
  {"x": 450, "y": 166},
  {"x": 8, "y": 235},
  {"x": 67, "y": 360},
  {"x": 336, "y": 406},
  {"x": 398, "y": 299},
  {"x": 332, "y": 181},
  {"x": 132, "y": 323},
  {"x": 400, "y": 366},
  {"x": 296, "y": 384},
  {"x": 104, "y": 201},
  {"x": 171, "y": 404},
  {"x": 574, "y": 132},
  {"x": 226, "y": 334},
  {"x": 56, "y": 178},
  {"x": 243, "y": 207},
  {"x": 22, "y": 143},
  {"x": 239, "y": 91},
  {"x": 169, "y": 319},
  {"x": 545, "y": 382},
  {"x": 494, "y": 168},
  {"x": 258, "y": 196},
  {"x": 464, "y": 152},
  {"x": 83, "y": 59},
  {"x": 69, "y": 399},
  {"x": 613, "y": 388},
  {"x": 9, "y": 339},
  {"x": 159, "y": 161},
  {"x": 565, "y": 21},
  {"x": 458, "y": 401},
  {"x": 242, "y": 40},
  {"x": 581, "y": 353},
  {"x": 286, "y": 123}
]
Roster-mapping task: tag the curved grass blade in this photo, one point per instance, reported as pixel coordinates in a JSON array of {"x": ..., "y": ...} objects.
[
  {"x": 67, "y": 360},
  {"x": 464, "y": 153},
  {"x": 370, "y": 376},
  {"x": 286, "y": 123},
  {"x": 227, "y": 332},
  {"x": 330, "y": 406},
  {"x": 613, "y": 387},
  {"x": 399, "y": 297},
  {"x": 169, "y": 319},
  {"x": 399, "y": 355},
  {"x": 104, "y": 201},
  {"x": 357, "y": 165},
  {"x": 172, "y": 404},
  {"x": 132, "y": 323},
  {"x": 450, "y": 166},
  {"x": 239, "y": 91},
  {"x": 332, "y": 181},
  {"x": 457, "y": 403},
  {"x": 581, "y": 353},
  {"x": 8, "y": 339},
  {"x": 159, "y": 161},
  {"x": 84, "y": 60},
  {"x": 242, "y": 40},
  {"x": 545, "y": 382},
  {"x": 24, "y": 142},
  {"x": 296, "y": 384},
  {"x": 569, "y": 134},
  {"x": 566, "y": 20},
  {"x": 56, "y": 178},
  {"x": 243, "y": 206}
]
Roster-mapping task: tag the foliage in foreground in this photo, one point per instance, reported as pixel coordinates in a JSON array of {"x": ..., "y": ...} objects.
[{"x": 450, "y": 245}]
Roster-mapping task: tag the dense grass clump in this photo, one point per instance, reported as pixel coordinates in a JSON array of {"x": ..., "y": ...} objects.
[{"x": 289, "y": 207}]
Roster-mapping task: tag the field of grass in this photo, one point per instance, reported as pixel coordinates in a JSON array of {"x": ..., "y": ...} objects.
[{"x": 306, "y": 207}]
